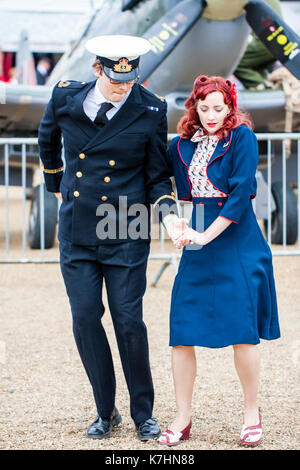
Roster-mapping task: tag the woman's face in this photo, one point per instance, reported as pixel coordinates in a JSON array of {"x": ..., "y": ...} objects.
[{"x": 212, "y": 111}]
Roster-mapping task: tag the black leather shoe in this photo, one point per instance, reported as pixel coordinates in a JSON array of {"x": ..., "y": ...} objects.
[
  {"x": 148, "y": 429},
  {"x": 101, "y": 428}
]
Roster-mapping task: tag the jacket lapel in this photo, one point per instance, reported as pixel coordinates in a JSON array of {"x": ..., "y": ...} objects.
[
  {"x": 129, "y": 112},
  {"x": 186, "y": 149},
  {"x": 76, "y": 111},
  {"x": 221, "y": 148}
]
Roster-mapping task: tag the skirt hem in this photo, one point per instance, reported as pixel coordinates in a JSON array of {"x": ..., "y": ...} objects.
[{"x": 225, "y": 345}]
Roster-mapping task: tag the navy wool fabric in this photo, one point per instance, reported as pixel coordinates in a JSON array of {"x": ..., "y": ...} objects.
[
  {"x": 123, "y": 268},
  {"x": 104, "y": 165},
  {"x": 224, "y": 293},
  {"x": 125, "y": 158}
]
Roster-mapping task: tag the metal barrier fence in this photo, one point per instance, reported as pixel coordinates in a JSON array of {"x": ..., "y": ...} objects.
[{"x": 19, "y": 159}]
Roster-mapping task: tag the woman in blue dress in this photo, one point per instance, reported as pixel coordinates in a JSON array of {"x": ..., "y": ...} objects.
[{"x": 224, "y": 292}]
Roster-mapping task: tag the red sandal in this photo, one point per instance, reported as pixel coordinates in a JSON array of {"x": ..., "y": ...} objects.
[
  {"x": 252, "y": 433},
  {"x": 173, "y": 438}
]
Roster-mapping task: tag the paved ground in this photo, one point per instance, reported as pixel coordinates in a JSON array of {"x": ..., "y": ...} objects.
[{"x": 46, "y": 400}]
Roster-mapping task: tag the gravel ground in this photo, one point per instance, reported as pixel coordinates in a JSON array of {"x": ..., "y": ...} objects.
[{"x": 46, "y": 400}]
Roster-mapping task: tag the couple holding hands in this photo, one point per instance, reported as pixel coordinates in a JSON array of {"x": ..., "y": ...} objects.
[{"x": 115, "y": 135}]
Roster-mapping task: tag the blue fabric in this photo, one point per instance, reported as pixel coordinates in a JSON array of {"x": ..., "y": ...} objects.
[
  {"x": 123, "y": 267},
  {"x": 231, "y": 169},
  {"x": 224, "y": 293},
  {"x": 135, "y": 138}
]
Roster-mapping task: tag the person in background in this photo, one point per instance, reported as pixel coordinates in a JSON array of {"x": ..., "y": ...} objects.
[
  {"x": 253, "y": 69},
  {"x": 13, "y": 76},
  {"x": 42, "y": 70}
]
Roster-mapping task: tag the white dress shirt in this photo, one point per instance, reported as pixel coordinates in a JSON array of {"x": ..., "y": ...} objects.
[{"x": 94, "y": 99}]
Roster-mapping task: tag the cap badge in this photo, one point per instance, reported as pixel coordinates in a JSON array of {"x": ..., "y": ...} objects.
[
  {"x": 122, "y": 66},
  {"x": 63, "y": 84}
]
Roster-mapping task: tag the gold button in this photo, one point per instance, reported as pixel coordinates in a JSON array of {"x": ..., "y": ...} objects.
[
  {"x": 107, "y": 179},
  {"x": 76, "y": 193},
  {"x": 172, "y": 194},
  {"x": 104, "y": 198},
  {"x": 81, "y": 155},
  {"x": 112, "y": 162},
  {"x": 79, "y": 174}
]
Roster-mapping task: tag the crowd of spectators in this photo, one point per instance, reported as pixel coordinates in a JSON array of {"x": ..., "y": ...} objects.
[{"x": 43, "y": 65}]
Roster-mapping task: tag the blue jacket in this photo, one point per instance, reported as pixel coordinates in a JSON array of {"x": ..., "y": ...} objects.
[
  {"x": 231, "y": 169},
  {"x": 125, "y": 158}
]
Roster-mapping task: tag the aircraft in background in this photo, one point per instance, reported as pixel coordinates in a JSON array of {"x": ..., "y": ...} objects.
[{"x": 189, "y": 37}]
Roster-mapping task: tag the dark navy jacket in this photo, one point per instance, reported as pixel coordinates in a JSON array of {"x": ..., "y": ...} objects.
[
  {"x": 125, "y": 158},
  {"x": 231, "y": 169}
]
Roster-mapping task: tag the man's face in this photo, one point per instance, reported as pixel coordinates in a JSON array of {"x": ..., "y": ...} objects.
[{"x": 111, "y": 90}]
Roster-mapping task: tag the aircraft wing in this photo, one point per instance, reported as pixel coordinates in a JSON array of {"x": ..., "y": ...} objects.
[
  {"x": 267, "y": 109},
  {"x": 22, "y": 108},
  {"x": 24, "y": 105}
]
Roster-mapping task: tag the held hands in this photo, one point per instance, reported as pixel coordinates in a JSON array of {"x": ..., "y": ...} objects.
[
  {"x": 180, "y": 233},
  {"x": 175, "y": 226},
  {"x": 191, "y": 236}
]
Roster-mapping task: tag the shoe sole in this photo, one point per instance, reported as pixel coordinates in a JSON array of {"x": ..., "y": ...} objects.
[
  {"x": 173, "y": 443},
  {"x": 142, "y": 438},
  {"x": 107, "y": 435},
  {"x": 250, "y": 444}
]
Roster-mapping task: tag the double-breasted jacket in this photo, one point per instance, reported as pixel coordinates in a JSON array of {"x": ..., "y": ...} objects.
[{"x": 127, "y": 157}]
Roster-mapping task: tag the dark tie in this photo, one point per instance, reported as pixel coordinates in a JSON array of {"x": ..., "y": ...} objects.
[{"x": 101, "y": 118}]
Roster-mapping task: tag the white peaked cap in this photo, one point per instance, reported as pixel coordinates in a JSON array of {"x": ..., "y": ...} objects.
[{"x": 116, "y": 46}]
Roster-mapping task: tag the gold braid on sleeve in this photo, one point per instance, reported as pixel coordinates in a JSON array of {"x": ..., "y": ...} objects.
[
  {"x": 57, "y": 170},
  {"x": 165, "y": 196}
]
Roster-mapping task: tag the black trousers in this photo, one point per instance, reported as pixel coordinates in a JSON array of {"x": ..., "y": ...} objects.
[{"x": 123, "y": 267}]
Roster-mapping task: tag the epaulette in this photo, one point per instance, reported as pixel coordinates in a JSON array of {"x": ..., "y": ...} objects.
[
  {"x": 159, "y": 97},
  {"x": 153, "y": 95},
  {"x": 70, "y": 83}
]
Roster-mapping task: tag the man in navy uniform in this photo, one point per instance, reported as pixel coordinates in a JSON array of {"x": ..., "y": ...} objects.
[{"x": 115, "y": 136}]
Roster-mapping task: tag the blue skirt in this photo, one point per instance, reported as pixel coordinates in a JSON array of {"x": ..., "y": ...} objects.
[{"x": 224, "y": 292}]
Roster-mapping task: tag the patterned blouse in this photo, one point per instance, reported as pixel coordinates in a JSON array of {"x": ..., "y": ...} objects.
[{"x": 201, "y": 186}]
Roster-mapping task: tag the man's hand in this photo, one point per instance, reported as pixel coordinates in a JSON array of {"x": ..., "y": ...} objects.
[
  {"x": 59, "y": 196},
  {"x": 175, "y": 227}
]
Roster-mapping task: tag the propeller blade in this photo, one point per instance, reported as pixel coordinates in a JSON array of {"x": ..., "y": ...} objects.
[
  {"x": 129, "y": 4},
  {"x": 167, "y": 32},
  {"x": 276, "y": 35}
]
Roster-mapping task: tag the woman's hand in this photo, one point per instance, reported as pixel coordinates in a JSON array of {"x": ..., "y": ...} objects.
[
  {"x": 190, "y": 236},
  {"x": 214, "y": 230}
]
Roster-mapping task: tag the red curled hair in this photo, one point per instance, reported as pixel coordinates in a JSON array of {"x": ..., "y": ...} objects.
[{"x": 203, "y": 86}]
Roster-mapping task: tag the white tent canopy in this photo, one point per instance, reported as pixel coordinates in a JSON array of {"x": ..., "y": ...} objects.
[{"x": 51, "y": 24}]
